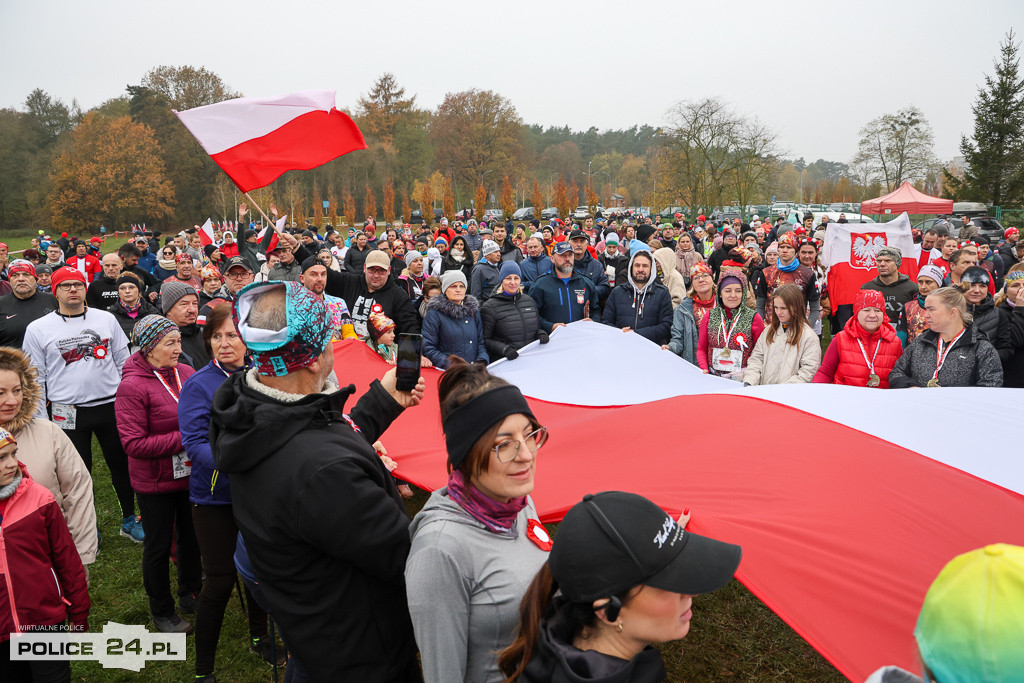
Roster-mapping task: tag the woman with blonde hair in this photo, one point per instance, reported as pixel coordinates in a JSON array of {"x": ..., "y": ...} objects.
[
  {"x": 928, "y": 361},
  {"x": 788, "y": 352}
]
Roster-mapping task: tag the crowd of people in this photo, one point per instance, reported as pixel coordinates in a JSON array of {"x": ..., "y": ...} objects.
[{"x": 206, "y": 375}]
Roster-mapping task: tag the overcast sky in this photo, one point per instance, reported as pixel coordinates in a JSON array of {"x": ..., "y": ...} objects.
[{"x": 815, "y": 71}]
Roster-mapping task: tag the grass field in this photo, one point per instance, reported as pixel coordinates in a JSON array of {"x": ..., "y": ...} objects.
[{"x": 734, "y": 636}]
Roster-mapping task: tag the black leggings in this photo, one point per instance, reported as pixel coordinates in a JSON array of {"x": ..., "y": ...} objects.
[
  {"x": 31, "y": 671},
  {"x": 100, "y": 420},
  {"x": 163, "y": 514},
  {"x": 217, "y": 534}
]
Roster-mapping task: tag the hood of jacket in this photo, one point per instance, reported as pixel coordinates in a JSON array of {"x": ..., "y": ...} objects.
[
  {"x": 559, "y": 661},
  {"x": 248, "y": 425},
  {"x": 30, "y": 389},
  {"x": 441, "y": 509},
  {"x": 629, "y": 272},
  {"x": 470, "y": 306},
  {"x": 667, "y": 259}
]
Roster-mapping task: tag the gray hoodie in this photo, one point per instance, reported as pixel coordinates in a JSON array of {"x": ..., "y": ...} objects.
[{"x": 464, "y": 585}]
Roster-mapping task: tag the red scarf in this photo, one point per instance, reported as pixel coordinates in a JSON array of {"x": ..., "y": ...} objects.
[{"x": 496, "y": 516}]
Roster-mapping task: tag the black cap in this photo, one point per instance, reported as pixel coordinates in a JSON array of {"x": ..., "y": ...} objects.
[
  {"x": 975, "y": 275},
  {"x": 613, "y": 541},
  {"x": 575, "y": 234},
  {"x": 311, "y": 262},
  {"x": 237, "y": 261}
]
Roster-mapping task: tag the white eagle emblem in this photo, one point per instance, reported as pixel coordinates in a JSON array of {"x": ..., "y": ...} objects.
[{"x": 864, "y": 248}]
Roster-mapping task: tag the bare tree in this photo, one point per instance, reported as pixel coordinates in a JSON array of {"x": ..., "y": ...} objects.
[
  {"x": 712, "y": 155},
  {"x": 897, "y": 147}
]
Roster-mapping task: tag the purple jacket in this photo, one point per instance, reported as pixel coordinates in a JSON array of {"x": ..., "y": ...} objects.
[{"x": 147, "y": 420}]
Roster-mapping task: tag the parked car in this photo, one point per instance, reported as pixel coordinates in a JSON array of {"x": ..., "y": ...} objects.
[
  {"x": 464, "y": 214},
  {"x": 549, "y": 213},
  {"x": 491, "y": 215},
  {"x": 720, "y": 217},
  {"x": 969, "y": 209},
  {"x": 581, "y": 212},
  {"x": 523, "y": 214},
  {"x": 416, "y": 217}
]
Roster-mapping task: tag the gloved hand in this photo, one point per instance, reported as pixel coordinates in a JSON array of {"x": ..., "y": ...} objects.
[
  {"x": 510, "y": 353},
  {"x": 543, "y": 337}
]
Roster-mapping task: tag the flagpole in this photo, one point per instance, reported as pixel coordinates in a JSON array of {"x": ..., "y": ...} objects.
[{"x": 272, "y": 223}]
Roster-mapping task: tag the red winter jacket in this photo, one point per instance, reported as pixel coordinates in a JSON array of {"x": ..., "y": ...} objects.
[
  {"x": 92, "y": 267},
  {"x": 844, "y": 363},
  {"x": 147, "y": 420},
  {"x": 42, "y": 581}
]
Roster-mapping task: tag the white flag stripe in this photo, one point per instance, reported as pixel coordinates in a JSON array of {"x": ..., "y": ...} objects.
[
  {"x": 225, "y": 124},
  {"x": 838, "y": 238}
]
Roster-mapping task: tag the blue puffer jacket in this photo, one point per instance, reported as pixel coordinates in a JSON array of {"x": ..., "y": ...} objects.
[
  {"x": 207, "y": 485},
  {"x": 449, "y": 328},
  {"x": 533, "y": 267}
]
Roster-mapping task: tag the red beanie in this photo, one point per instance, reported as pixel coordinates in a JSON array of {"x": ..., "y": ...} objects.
[
  {"x": 868, "y": 298},
  {"x": 64, "y": 274}
]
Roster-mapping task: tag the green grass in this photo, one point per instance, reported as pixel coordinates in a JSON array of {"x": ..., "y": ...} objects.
[
  {"x": 734, "y": 636},
  {"x": 19, "y": 241}
]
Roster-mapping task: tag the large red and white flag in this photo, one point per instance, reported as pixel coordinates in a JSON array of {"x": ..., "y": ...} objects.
[
  {"x": 847, "y": 500},
  {"x": 257, "y": 139},
  {"x": 849, "y": 253},
  {"x": 206, "y": 235}
]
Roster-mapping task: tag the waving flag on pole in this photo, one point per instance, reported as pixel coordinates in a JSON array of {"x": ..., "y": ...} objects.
[
  {"x": 206, "y": 235},
  {"x": 847, "y": 500},
  {"x": 849, "y": 254},
  {"x": 257, "y": 139}
]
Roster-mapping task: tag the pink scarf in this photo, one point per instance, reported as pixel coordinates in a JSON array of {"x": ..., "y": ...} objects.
[{"x": 497, "y": 517}]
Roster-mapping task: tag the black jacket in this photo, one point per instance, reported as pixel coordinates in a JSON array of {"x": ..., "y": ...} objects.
[
  {"x": 1013, "y": 365},
  {"x": 16, "y": 314},
  {"x": 392, "y": 300},
  {"x": 972, "y": 362},
  {"x": 101, "y": 293},
  {"x": 648, "y": 311},
  {"x": 556, "y": 660},
  {"x": 325, "y": 528},
  {"x": 994, "y": 326},
  {"x": 717, "y": 258},
  {"x": 127, "y": 322},
  {"x": 355, "y": 258},
  {"x": 510, "y": 323},
  {"x": 193, "y": 350}
]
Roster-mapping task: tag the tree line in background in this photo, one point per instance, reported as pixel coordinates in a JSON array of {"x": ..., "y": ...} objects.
[{"x": 130, "y": 160}]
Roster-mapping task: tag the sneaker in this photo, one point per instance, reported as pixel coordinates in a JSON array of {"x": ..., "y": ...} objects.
[
  {"x": 208, "y": 678},
  {"x": 172, "y": 624},
  {"x": 264, "y": 647},
  {"x": 131, "y": 527},
  {"x": 189, "y": 603}
]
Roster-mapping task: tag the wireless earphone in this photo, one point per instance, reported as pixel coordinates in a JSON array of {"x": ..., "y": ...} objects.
[{"x": 612, "y": 608}]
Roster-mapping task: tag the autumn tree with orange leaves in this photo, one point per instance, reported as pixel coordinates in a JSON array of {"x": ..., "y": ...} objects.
[
  {"x": 538, "y": 200},
  {"x": 389, "y": 201},
  {"x": 480, "y": 201},
  {"x": 448, "y": 201},
  {"x": 113, "y": 174},
  {"x": 507, "y": 198},
  {"x": 371, "y": 202}
]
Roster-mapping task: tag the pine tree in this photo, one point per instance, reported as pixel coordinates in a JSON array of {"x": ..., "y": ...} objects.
[{"x": 994, "y": 158}]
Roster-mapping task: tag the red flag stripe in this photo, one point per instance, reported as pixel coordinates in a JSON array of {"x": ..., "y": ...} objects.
[
  {"x": 304, "y": 142},
  {"x": 842, "y": 531}
]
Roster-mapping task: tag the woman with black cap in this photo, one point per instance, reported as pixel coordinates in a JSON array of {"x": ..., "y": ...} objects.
[
  {"x": 976, "y": 283},
  {"x": 477, "y": 543},
  {"x": 607, "y": 593}
]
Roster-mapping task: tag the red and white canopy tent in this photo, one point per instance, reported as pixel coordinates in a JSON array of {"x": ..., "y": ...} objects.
[
  {"x": 906, "y": 198},
  {"x": 847, "y": 500}
]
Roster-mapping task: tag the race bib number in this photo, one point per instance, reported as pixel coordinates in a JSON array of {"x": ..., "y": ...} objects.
[
  {"x": 64, "y": 416},
  {"x": 726, "y": 360},
  {"x": 182, "y": 466}
]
